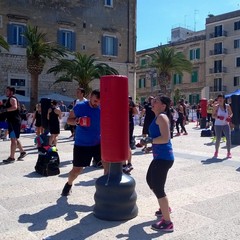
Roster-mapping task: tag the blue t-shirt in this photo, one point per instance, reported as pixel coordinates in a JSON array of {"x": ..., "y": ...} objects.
[
  {"x": 87, "y": 136},
  {"x": 160, "y": 151}
]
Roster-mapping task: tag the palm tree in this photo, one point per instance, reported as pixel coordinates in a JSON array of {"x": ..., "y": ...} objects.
[
  {"x": 168, "y": 62},
  {"x": 3, "y": 43},
  {"x": 81, "y": 69},
  {"x": 38, "y": 51}
]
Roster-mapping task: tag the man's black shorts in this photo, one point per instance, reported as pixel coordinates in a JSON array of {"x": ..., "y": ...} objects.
[{"x": 82, "y": 155}]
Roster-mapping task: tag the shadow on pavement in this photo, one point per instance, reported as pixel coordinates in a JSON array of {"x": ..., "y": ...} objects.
[
  {"x": 213, "y": 160},
  {"x": 238, "y": 169},
  {"x": 137, "y": 232},
  {"x": 39, "y": 220}
]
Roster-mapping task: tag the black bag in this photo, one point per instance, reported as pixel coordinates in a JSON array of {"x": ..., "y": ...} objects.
[
  {"x": 48, "y": 163},
  {"x": 206, "y": 133},
  {"x": 67, "y": 127}
]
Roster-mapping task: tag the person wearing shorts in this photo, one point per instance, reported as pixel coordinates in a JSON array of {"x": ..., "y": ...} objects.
[
  {"x": 86, "y": 117},
  {"x": 14, "y": 125}
]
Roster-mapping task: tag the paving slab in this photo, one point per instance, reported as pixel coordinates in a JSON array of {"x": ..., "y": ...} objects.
[{"x": 204, "y": 193}]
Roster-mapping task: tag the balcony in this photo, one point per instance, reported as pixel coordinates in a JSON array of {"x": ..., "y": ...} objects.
[
  {"x": 217, "y": 70},
  {"x": 218, "y": 89},
  {"x": 218, "y": 51},
  {"x": 218, "y": 34}
]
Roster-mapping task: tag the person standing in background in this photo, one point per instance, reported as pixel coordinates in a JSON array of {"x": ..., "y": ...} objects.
[
  {"x": 222, "y": 113},
  {"x": 54, "y": 115},
  {"x": 12, "y": 111}
]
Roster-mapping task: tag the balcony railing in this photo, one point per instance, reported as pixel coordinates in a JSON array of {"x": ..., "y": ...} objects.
[
  {"x": 218, "y": 34},
  {"x": 218, "y": 89},
  {"x": 217, "y": 70},
  {"x": 218, "y": 51}
]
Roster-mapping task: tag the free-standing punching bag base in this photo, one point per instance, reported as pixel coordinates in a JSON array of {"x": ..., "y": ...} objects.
[{"x": 115, "y": 196}]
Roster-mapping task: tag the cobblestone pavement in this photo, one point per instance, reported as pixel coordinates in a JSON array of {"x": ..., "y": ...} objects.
[{"x": 204, "y": 193}]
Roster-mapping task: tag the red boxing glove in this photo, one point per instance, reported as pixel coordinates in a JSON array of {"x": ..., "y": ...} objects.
[
  {"x": 83, "y": 121},
  {"x": 220, "y": 117},
  {"x": 228, "y": 119}
]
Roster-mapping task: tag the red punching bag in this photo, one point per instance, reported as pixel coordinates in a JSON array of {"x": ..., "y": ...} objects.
[
  {"x": 114, "y": 118},
  {"x": 203, "y": 105}
]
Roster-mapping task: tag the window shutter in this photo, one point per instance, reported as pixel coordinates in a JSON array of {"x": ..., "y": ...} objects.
[
  {"x": 235, "y": 25},
  {"x": 190, "y": 99},
  {"x": 235, "y": 43},
  {"x": 103, "y": 45},
  {"x": 73, "y": 41},
  {"x": 59, "y": 37},
  {"x": 191, "y": 54},
  {"x": 24, "y": 39},
  {"x": 197, "y": 98},
  {"x": 10, "y": 33},
  {"x": 198, "y": 53},
  {"x": 235, "y": 81},
  {"x": 139, "y": 83},
  {"x": 180, "y": 79},
  {"x": 174, "y": 79},
  {"x": 115, "y": 47}
]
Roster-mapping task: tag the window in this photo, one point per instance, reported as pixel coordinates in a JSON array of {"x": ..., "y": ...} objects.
[
  {"x": 67, "y": 39},
  {"x": 236, "y": 81},
  {"x": 143, "y": 62},
  {"x": 218, "y": 85},
  {"x": 218, "y": 32},
  {"x": 194, "y": 54},
  {"x": 237, "y": 43},
  {"x": 218, "y": 66},
  {"x": 218, "y": 48},
  {"x": 194, "y": 99},
  {"x": 15, "y": 34},
  {"x": 142, "y": 82},
  {"x": 237, "y": 25},
  {"x": 17, "y": 82},
  {"x": 177, "y": 79},
  {"x": 109, "y": 46},
  {"x": 238, "y": 62},
  {"x": 194, "y": 76},
  {"x": 108, "y": 3}
]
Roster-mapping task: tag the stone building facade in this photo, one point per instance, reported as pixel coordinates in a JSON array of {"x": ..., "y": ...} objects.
[
  {"x": 214, "y": 52},
  {"x": 105, "y": 28},
  {"x": 189, "y": 86},
  {"x": 223, "y": 53}
]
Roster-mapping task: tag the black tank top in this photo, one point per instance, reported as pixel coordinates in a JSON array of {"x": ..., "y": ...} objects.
[{"x": 13, "y": 116}]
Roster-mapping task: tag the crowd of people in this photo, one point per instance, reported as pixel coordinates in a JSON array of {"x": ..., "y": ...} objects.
[{"x": 160, "y": 121}]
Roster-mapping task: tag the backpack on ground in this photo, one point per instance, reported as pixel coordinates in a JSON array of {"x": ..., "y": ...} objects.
[
  {"x": 206, "y": 133},
  {"x": 48, "y": 162}
]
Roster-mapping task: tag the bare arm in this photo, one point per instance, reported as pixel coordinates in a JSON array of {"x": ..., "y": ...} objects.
[
  {"x": 14, "y": 105},
  {"x": 71, "y": 118}
]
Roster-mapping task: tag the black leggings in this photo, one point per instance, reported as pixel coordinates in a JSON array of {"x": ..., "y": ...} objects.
[
  {"x": 180, "y": 121},
  {"x": 157, "y": 175}
]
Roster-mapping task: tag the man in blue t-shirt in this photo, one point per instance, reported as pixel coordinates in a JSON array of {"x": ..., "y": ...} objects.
[{"x": 86, "y": 117}]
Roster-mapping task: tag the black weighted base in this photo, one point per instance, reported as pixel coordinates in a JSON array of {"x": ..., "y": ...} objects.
[
  {"x": 203, "y": 123},
  {"x": 115, "y": 197},
  {"x": 235, "y": 137}
]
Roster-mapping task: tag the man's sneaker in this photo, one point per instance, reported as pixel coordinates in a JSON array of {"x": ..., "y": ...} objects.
[
  {"x": 22, "y": 155},
  {"x": 215, "y": 154},
  {"x": 159, "y": 212},
  {"x": 9, "y": 160},
  {"x": 163, "y": 226},
  {"x": 130, "y": 167},
  {"x": 125, "y": 169},
  {"x": 66, "y": 190},
  {"x": 229, "y": 155}
]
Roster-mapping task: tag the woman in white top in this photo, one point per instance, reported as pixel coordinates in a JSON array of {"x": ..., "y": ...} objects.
[{"x": 222, "y": 113}]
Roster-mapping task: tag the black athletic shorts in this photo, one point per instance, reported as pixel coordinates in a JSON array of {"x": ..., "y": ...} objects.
[
  {"x": 82, "y": 155},
  {"x": 14, "y": 130}
]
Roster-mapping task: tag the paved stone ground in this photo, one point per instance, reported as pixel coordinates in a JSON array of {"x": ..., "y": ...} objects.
[{"x": 204, "y": 193}]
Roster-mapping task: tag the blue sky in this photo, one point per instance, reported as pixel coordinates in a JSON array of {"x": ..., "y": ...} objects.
[{"x": 156, "y": 18}]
